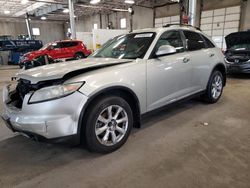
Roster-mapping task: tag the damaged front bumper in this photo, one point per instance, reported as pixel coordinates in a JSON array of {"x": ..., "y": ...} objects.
[
  {"x": 241, "y": 68},
  {"x": 51, "y": 119}
]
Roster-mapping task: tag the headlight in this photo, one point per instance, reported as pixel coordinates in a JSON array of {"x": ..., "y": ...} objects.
[
  {"x": 54, "y": 92},
  {"x": 23, "y": 58},
  {"x": 228, "y": 62}
]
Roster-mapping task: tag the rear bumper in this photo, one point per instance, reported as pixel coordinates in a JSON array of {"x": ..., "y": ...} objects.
[
  {"x": 49, "y": 120},
  {"x": 242, "y": 68}
]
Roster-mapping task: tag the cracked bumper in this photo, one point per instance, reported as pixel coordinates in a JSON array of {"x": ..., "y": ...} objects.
[{"x": 51, "y": 119}]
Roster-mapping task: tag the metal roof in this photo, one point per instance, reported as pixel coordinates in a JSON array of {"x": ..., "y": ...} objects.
[{"x": 53, "y": 9}]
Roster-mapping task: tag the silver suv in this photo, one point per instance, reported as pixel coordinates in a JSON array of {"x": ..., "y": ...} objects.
[{"x": 98, "y": 100}]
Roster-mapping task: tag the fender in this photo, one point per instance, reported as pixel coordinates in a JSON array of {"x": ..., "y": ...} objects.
[{"x": 136, "y": 111}]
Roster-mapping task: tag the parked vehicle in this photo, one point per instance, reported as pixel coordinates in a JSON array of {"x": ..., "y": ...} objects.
[
  {"x": 100, "y": 99},
  {"x": 237, "y": 55},
  {"x": 65, "y": 49}
]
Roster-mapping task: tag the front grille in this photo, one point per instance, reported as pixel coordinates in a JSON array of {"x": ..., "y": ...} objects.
[
  {"x": 23, "y": 87},
  {"x": 236, "y": 60}
]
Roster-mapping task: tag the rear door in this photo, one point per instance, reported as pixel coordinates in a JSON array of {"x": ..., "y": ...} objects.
[
  {"x": 201, "y": 59},
  {"x": 169, "y": 76},
  {"x": 69, "y": 49},
  {"x": 66, "y": 52}
]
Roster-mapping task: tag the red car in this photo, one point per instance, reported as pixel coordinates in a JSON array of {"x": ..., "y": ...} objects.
[{"x": 58, "y": 50}]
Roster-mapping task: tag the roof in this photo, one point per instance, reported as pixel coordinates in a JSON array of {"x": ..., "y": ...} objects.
[
  {"x": 68, "y": 41},
  {"x": 160, "y": 29}
]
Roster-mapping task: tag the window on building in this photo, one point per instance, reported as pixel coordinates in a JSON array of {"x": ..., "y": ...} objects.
[
  {"x": 95, "y": 26},
  {"x": 36, "y": 31},
  {"x": 123, "y": 23}
]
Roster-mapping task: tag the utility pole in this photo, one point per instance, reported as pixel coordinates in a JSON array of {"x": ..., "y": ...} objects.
[
  {"x": 192, "y": 11},
  {"x": 72, "y": 19},
  {"x": 28, "y": 25}
]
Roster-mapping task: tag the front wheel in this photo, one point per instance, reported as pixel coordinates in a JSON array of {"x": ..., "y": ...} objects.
[
  {"x": 79, "y": 55},
  {"x": 214, "y": 87},
  {"x": 108, "y": 125}
]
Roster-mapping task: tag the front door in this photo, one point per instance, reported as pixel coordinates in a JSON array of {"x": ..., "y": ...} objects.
[
  {"x": 168, "y": 77},
  {"x": 55, "y": 50}
]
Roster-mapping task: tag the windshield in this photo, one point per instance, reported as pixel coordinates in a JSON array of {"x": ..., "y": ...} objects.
[
  {"x": 130, "y": 46},
  {"x": 240, "y": 47},
  {"x": 45, "y": 46}
]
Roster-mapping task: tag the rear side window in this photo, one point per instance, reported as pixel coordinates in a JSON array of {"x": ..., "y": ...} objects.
[
  {"x": 68, "y": 44},
  {"x": 64, "y": 44},
  {"x": 208, "y": 42},
  {"x": 74, "y": 44},
  {"x": 194, "y": 41}
]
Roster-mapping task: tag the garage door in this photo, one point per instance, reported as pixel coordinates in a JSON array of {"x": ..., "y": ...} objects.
[
  {"x": 159, "y": 22},
  {"x": 219, "y": 23}
]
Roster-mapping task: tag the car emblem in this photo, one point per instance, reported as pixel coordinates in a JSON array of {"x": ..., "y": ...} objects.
[{"x": 236, "y": 60}]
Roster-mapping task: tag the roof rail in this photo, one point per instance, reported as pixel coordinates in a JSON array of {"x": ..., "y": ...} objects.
[{"x": 185, "y": 25}]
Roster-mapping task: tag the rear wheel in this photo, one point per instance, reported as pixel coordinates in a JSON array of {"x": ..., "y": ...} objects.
[
  {"x": 79, "y": 55},
  {"x": 214, "y": 87},
  {"x": 108, "y": 125}
]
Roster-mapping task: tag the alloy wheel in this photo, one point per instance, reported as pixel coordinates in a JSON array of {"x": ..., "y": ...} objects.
[
  {"x": 217, "y": 86},
  {"x": 111, "y": 125}
]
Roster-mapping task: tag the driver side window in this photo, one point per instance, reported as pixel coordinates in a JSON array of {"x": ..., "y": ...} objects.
[
  {"x": 172, "y": 38},
  {"x": 56, "y": 45}
]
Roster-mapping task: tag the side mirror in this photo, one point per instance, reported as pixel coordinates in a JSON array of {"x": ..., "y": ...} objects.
[{"x": 165, "y": 50}]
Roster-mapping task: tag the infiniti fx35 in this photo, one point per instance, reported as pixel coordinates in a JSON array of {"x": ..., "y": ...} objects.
[{"x": 99, "y": 99}]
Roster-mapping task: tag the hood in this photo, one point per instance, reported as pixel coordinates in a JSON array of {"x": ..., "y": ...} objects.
[
  {"x": 61, "y": 70},
  {"x": 34, "y": 53},
  {"x": 237, "y": 38}
]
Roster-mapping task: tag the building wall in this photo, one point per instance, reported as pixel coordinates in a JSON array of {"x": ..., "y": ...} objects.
[
  {"x": 216, "y": 4},
  {"x": 171, "y": 10},
  {"x": 245, "y": 16},
  {"x": 142, "y": 18},
  {"x": 49, "y": 31}
]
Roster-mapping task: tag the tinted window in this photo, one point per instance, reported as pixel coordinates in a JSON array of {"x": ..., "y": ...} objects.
[
  {"x": 172, "y": 38},
  {"x": 194, "y": 41},
  {"x": 68, "y": 44},
  {"x": 74, "y": 44},
  {"x": 208, "y": 42}
]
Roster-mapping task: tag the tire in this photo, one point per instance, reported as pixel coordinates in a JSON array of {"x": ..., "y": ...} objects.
[
  {"x": 79, "y": 55},
  {"x": 214, "y": 88},
  {"x": 104, "y": 134}
]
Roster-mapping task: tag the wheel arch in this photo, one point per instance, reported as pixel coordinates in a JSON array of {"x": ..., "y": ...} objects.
[
  {"x": 121, "y": 91},
  {"x": 80, "y": 52},
  {"x": 221, "y": 67}
]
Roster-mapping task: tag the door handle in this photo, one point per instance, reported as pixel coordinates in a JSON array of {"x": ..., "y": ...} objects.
[
  {"x": 211, "y": 55},
  {"x": 186, "y": 60}
]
